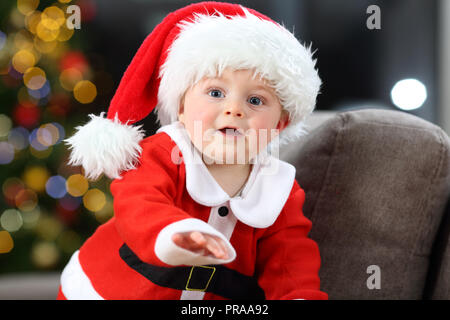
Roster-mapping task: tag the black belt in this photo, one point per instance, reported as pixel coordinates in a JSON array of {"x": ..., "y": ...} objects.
[{"x": 216, "y": 279}]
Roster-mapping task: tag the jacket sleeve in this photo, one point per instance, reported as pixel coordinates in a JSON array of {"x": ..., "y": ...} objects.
[
  {"x": 146, "y": 216},
  {"x": 288, "y": 261}
]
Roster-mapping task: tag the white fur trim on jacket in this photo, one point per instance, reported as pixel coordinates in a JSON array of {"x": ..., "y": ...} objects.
[
  {"x": 105, "y": 146},
  {"x": 75, "y": 285}
]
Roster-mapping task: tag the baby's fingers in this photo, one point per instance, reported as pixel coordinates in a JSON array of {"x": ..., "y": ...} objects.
[
  {"x": 215, "y": 246},
  {"x": 203, "y": 244},
  {"x": 198, "y": 238},
  {"x": 186, "y": 241}
]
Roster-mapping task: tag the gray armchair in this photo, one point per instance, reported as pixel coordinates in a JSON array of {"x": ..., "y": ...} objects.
[{"x": 377, "y": 183}]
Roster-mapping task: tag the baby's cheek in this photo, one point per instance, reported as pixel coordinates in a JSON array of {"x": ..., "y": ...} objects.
[
  {"x": 206, "y": 116},
  {"x": 201, "y": 116}
]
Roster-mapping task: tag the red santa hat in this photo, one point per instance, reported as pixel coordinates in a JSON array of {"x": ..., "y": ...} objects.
[{"x": 201, "y": 39}]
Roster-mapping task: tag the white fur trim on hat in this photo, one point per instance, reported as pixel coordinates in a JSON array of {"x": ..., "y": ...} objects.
[
  {"x": 105, "y": 146},
  {"x": 209, "y": 44}
]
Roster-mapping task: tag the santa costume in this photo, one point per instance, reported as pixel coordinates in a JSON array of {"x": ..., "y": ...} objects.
[{"x": 162, "y": 187}]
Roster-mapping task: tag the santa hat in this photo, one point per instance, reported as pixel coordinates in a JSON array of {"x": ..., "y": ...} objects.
[{"x": 199, "y": 40}]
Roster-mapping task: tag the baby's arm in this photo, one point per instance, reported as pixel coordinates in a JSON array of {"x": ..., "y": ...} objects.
[
  {"x": 148, "y": 220},
  {"x": 288, "y": 260}
]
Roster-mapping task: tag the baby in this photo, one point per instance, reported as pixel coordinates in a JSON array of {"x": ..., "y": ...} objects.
[
  {"x": 202, "y": 209},
  {"x": 227, "y": 111}
]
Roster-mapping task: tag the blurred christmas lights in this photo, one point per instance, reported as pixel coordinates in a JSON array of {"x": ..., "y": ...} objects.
[
  {"x": 2, "y": 40},
  {"x": 85, "y": 91},
  {"x": 18, "y": 138},
  {"x": 94, "y": 200},
  {"x": 44, "y": 197},
  {"x": 35, "y": 177},
  {"x": 6, "y": 242},
  {"x": 5, "y": 125},
  {"x": 45, "y": 254},
  {"x": 26, "y": 114},
  {"x": 6, "y": 152},
  {"x": 77, "y": 185},
  {"x": 11, "y": 220},
  {"x": 34, "y": 78},
  {"x": 56, "y": 187},
  {"x": 26, "y": 200},
  {"x": 69, "y": 78},
  {"x": 27, "y": 6}
]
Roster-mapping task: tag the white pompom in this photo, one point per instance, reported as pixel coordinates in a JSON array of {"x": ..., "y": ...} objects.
[{"x": 105, "y": 146}]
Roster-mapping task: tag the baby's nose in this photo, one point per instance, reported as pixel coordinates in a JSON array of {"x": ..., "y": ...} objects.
[
  {"x": 234, "y": 113},
  {"x": 234, "y": 110}
]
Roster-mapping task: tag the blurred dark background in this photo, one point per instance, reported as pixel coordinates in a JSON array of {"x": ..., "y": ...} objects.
[{"x": 360, "y": 67}]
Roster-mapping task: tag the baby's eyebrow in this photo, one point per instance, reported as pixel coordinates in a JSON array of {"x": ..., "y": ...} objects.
[
  {"x": 261, "y": 87},
  {"x": 256, "y": 87},
  {"x": 207, "y": 80}
]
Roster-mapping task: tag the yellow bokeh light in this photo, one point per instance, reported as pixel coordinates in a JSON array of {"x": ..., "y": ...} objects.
[
  {"x": 27, "y": 6},
  {"x": 69, "y": 78},
  {"x": 53, "y": 18},
  {"x": 16, "y": 19},
  {"x": 44, "y": 46},
  {"x": 106, "y": 212},
  {"x": 94, "y": 200},
  {"x": 48, "y": 228},
  {"x": 46, "y": 33},
  {"x": 32, "y": 20},
  {"x": 45, "y": 255},
  {"x": 77, "y": 185},
  {"x": 65, "y": 33},
  {"x": 6, "y": 242},
  {"x": 23, "y": 60},
  {"x": 85, "y": 91},
  {"x": 34, "y": 78},
  {"x": 36, "y": 177},
  {"x": 23, "y": 40},
  {"x": 64, "y": 1}
]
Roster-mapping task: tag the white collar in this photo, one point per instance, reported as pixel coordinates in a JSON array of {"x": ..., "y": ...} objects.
[{"x": 263, "y": 196}]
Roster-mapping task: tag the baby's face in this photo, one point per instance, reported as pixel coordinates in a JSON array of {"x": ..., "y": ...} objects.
[{"x": 234, "y": 100}]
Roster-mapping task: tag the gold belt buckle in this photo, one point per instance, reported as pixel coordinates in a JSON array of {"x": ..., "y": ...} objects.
[{"x": 207, "y": 284}]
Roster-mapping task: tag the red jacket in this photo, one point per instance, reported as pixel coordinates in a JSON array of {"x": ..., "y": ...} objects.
[{"x": 172, "y": 191}]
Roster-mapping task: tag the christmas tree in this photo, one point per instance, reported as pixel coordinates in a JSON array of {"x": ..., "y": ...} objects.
[{"x": 48, "y": 84}]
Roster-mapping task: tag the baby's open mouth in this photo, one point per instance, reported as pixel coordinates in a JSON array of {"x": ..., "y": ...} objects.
[{"x": 230, "y": 131}]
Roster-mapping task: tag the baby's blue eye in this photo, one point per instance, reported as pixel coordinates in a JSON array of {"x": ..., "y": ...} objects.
[
  {"x": 215, "y": 95},
  {"x": 255, "y": 100}
]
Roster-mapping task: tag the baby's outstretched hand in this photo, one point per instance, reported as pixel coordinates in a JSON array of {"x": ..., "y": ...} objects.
[{"x": 201, "y": 243}]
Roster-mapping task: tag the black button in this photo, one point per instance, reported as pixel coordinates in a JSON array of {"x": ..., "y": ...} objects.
[{"x": 223, "y": 211}]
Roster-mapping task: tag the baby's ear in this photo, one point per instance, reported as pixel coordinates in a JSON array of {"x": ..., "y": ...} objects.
[
  {"x": 284, "y": 120},
  {"x": 181, "y": 110},
  {"x": 181, "y": 115}
]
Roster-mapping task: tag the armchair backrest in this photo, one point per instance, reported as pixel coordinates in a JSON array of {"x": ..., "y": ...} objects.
[{"x": 377, "y": 183}]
